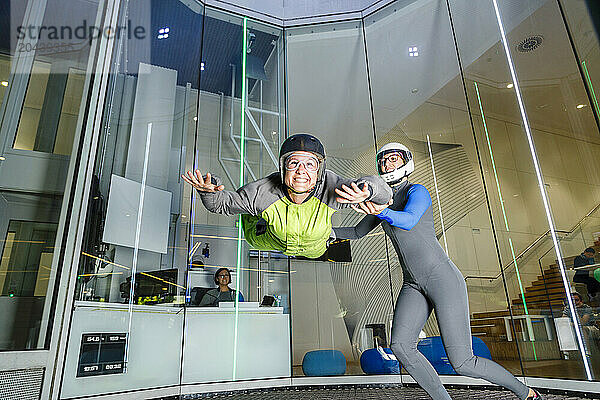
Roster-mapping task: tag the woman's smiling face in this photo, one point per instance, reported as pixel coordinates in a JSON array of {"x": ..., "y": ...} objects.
[{"x": 301, "y": 170}]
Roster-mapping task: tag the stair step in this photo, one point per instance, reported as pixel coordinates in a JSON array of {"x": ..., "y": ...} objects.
[
  {"x": 549, "y": 275},
  {"x": 486, "y": 321},
  {"x": 544, "y": 293},
  {"x": 543, "y": 290},
  {"x": 543, "y": 285},
  {"x": 490, "y": 314},
  {"x": 541, "y": 282},
  {"x": 552, "y": 296},
  {"x": 545, "y": 305}
]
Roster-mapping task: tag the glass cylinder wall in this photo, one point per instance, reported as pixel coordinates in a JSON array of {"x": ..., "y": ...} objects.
[{"x": 496, "y": 102}]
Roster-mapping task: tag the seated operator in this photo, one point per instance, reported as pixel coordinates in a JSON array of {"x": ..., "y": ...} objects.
[{"x": 223, "y": 293}]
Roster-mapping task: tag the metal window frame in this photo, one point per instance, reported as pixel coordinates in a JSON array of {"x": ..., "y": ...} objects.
[{"x": 81, "y": 167}]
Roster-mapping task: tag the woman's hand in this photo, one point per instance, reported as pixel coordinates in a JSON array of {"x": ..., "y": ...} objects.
[
  {"x": 353, "y": 194},
  {"x": 201, "y": 184},
  {"x": 368, "y": 207}
]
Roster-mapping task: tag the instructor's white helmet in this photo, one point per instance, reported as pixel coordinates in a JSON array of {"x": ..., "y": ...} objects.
[{"x": 400, "y": 173}]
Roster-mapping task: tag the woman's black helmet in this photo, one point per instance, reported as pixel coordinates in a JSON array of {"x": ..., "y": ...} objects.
[{"x": 302, "y": 142}]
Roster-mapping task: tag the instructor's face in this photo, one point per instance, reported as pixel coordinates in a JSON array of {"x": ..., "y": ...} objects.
[
  {"x": 390, "y": 162},
  {"x": 301, "y": 169}
]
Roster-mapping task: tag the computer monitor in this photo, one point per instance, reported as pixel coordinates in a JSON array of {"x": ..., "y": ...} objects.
[
  {"x": 151, "y": 286},
  {"x": 267, "y": 301}
]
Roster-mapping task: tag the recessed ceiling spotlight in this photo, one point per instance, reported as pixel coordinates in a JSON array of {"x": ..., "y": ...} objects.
[
  {"x": 413, "y": 51},
  {"x": 201, "y": 66},
  {"x": 195, "y": 118},
  {"x": 4, "y": 83},
  {"x": 2, "y": 158},
  {"x": 415, "y": 90},
  {"x": 510, "y": 86},
  {"x": 163, "y": 33},
  {"x": 581, "y": 105}
]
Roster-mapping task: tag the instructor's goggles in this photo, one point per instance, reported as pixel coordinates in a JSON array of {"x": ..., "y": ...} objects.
[
  {"x": 310, "y": 164},
  {"x": 393, "y": 157}
]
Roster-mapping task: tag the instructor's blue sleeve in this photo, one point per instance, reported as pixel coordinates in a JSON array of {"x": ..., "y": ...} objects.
[{"x": 418, "y": 202}]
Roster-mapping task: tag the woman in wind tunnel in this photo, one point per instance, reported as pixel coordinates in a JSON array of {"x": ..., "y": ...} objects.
[
  {"x": 290, "y": 210},
  {"x": 431, "y": 281}
]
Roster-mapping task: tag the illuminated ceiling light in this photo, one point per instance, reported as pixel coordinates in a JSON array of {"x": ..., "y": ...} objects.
[
  {"x": 2, "y": 158},
  {"x": 163, "y": 33},
  {"x": 4, "y": 83},
  {"x": 202, "y": 66},
  {"x": 510, "y": 86},
  {"x": 413, "y": 51},
  {"x": 195, "y": 118},
  {"x": 581, "y": 105},
  {"x": 545, "y": 201}
]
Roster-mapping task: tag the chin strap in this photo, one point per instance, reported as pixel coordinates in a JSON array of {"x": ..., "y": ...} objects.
[
  {"x": 297, "y": 192},
  {"x": 306, "y": 191},
  {"x": 399, "y": 182}
]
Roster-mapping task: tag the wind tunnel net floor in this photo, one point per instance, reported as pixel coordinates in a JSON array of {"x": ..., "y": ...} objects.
[{"x": 370, "y": 393}]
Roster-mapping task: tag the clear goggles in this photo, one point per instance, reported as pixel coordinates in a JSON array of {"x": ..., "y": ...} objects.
[{"x": 311, "y": 164}]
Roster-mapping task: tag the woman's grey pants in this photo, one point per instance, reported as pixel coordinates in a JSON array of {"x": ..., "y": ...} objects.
[{"x": 444, "y": 291}]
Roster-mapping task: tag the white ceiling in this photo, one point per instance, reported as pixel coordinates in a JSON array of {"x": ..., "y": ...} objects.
[{"x": 286, "y": 10}]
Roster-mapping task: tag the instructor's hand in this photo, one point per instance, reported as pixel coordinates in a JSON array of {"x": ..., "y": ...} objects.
[
  {"x": 368, "y": 207},
  {"x": 201, "y": 184},
  {"x": 353, "y": 194}
]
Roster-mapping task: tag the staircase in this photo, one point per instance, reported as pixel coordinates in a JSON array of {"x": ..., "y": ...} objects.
[
  {"x": 546, "y": 293},
  {"x": 544, "y": 296}
]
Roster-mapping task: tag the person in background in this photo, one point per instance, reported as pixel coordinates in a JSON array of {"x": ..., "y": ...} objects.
[
  {"x": 223, "y": 293},
  {"x": 591, "y": 332},
  {"x": 589, "y": 277},
  {"x": 584, "y": 311}
]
